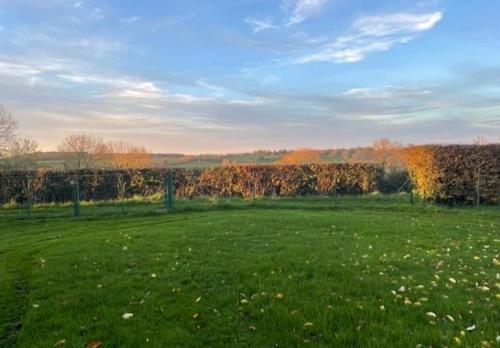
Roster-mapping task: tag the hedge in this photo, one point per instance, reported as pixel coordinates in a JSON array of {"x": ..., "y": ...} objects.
[
  {"x": 225, "y": 181},
  {"x": 455, "y": 173}
]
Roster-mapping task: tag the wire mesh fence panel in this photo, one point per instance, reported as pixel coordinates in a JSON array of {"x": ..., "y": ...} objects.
[
  {"x": 114, "y": 193},
  {"x": 52, "y": 195},
  {"x": 36, "y": 196},
  {"x": 14, "y": 193},
  {"x": 120, "y": 193}
]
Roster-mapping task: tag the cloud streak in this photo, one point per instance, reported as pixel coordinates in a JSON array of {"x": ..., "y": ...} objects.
[
  {"x": 372, "y": 34},
  {"x": 132, "y": 19},
  {"x": 296, "y": 11},
  {"x": 300, "y": 10}
]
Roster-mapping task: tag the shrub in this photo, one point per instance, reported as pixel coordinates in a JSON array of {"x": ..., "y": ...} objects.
[{"x": 454, "y": 173}]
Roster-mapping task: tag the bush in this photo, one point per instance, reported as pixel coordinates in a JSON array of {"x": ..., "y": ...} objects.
[
  {"x": 453, "y": 173},
  {"x": 394, "y": 182}
]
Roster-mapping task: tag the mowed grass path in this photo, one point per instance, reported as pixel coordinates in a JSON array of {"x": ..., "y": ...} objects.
[{"x": 253, "y": 278}]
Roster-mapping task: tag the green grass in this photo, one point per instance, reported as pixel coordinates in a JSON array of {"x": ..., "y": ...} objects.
[
  {"x": 156, "y": 205},
  {"x": 72, "y": 279}
]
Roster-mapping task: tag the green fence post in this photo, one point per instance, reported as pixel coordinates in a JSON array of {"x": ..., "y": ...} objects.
[
  {"x": 29, "y": 202},
  {"x": 170, "y": 191},
  {"x": 123, "y": 188},
  {"x": 478, "y": 192},
  {"x": 77, "y": 196},
  {"x": 335, "y": 190},
  {"x": 166, "y": 191},
  {"x": 411, "y": 191},
  {"x": 254, "y": 185}
]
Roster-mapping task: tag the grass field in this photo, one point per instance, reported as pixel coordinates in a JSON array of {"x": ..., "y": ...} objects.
[{"x": 306, "y": 274}]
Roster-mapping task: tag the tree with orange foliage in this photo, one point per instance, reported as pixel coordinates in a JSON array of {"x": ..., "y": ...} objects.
[
  {"x": 420, "y": 161},
  {"x": 301, "y": 156},
  {"x": 124, "y": 155},
  {"x": 387, "y": 153}
]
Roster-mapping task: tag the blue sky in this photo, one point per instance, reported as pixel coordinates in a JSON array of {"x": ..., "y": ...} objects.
[{"x": 226, "y": 76}]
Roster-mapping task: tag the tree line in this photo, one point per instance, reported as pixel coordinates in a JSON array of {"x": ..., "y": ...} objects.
[
  {"x": 79, "y": 151},
  {"x": 86, "y": 151}
]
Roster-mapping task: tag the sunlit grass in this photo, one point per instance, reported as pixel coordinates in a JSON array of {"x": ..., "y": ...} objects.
[{"x": 281, "y": 273}]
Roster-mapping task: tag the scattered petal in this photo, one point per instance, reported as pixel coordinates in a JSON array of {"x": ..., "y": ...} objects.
[
  {"x": 61, "y": 342},
  {"x": 471, "y": 328},
  {"x": 127, "y": 316}
]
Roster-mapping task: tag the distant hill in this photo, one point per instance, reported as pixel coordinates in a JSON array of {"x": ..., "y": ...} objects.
[{"x": 55, "y": 160}]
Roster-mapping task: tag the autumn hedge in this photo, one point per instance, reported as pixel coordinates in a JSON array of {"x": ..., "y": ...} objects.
[
  {"x": 455, "y": 173},
  {"x": 226, "y": 181}
]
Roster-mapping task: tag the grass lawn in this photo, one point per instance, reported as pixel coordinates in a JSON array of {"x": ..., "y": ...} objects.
[{"x": 253, "y": 277}]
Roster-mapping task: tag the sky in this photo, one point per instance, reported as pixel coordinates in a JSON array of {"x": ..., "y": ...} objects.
[{"x": 200, "y": 76}]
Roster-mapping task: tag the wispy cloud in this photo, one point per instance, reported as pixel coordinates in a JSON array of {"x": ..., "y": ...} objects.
[
  {"x": 144, "y": 92},
  {"x": 300, "y": 10},
  {"x": 132, "y": 19},
  {"x": 386, "y": 92},
  {"x": 259, "y": 24},
  {"x": 17, "y": 70},
  {"x": 97, "y": 13},
  {"x": 295, "y": 12},
  {"x": 371, "y": 34},
  {"x": 56, "y": 40},
  {"x": 217, "y": 90},
  {"x": 122, "y": 87}
]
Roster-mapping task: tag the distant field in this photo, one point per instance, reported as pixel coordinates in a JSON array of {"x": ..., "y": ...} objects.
[
  {"x": 284, "y": 273},
  {"x": 56, "y": 160}
]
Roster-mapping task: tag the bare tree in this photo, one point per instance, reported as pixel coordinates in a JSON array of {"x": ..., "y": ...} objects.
[
  {"x": 8, "y": 127},
  {"x": 80, "y": 150},
  {"x": 21, "y": 155},
  {"x": 480, "y": 141}
]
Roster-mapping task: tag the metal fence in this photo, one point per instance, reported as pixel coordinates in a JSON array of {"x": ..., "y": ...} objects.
[
  {"x": 111, "y": 193},
  {"x": 62, "y": 194}
]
